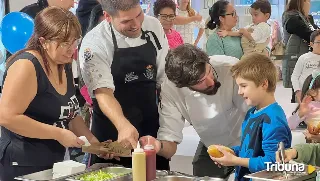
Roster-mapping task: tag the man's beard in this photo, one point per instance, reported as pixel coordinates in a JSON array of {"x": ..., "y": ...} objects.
[{"x": 210, "y": 90}]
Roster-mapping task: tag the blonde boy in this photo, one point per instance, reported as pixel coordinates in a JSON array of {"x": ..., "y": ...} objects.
[{"x": 265, "y": 124}]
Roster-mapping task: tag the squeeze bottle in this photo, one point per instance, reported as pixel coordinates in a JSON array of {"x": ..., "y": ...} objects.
[
  {"x": 151, "y": 161},
  {"x": 139, "y": 164}
]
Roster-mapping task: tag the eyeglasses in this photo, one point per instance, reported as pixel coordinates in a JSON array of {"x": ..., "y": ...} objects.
[
  {"x": 68, "y": 45},
  {"x": 233, "y": 14},
  {"x": 316, "y": 42},
  {"x": 168, "y": 17}
]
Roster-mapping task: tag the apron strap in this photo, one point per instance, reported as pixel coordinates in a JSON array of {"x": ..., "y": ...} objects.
[
  {"x": 146, "y": 36},
  {"x": 114, "y": 40}
]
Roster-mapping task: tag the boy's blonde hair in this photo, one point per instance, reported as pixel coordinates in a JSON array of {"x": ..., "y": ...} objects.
[{"x": 257, "y": 68}]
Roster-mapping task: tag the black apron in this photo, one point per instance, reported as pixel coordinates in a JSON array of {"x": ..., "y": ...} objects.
[{"x": 134, "y": 72}]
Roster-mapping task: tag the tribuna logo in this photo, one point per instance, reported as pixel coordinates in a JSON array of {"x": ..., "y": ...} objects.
[{"x": 290, "y": 167}]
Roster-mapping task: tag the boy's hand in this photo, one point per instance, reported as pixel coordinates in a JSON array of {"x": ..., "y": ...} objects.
[
  {"x": 290, "y": 154},
  {"x": 228, "y": 159},
  {"x": 222, "y": 33}
]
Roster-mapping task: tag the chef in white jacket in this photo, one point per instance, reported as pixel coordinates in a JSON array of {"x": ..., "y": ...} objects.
[{"x": 201, "y": 90}]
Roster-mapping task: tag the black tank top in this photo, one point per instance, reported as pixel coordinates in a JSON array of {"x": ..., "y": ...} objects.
[{"x": 47, "y": 107}]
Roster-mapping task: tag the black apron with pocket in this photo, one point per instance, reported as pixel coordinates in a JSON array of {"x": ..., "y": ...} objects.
[{"x": 134, "y": 72}]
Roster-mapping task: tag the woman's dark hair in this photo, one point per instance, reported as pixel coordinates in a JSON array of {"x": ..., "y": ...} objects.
[
  {"x": 185, "y": 65},
  {"x": 52, "y": 23},
  {"x": 160, "y": 4},
  {"x": 296, "y": 5},
  {"x": 218, "y": 9},
  {"x": 310, "y": 92},
  {"x": 95, "y": 15}
]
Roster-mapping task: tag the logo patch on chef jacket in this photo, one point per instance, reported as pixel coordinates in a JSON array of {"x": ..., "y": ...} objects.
[
  {"x": 130, "y": 77},
  {"x": 87, "y": 54},
  {"x": 149, "y": 72}
]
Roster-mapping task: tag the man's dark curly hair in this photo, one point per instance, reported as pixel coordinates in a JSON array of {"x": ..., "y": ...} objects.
[
  {"x": 160, "y": 4},
  {"x": 185, "y": 65}
]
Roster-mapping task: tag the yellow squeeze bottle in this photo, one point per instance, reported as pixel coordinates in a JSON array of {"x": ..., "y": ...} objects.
[{"x": 139, "y": 170}]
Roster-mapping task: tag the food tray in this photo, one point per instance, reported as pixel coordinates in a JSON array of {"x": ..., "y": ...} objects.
[
  {"x": 115, "y": 170},
  {"x": 187, "y": 178},
  {"x": 276, "y": 176},
  {"x": 47, "y": 175},
  {"x": 176, "y": 178}
]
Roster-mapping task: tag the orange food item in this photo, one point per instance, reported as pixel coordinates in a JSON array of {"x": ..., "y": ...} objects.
[
  {"x": 214, "y": 152},
  {"x": 314, "y": 127}
]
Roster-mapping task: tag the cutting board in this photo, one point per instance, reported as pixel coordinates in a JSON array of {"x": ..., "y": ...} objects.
[{"x": 106, "y": 148}]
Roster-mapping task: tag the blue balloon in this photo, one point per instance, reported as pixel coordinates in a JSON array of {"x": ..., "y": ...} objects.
[{"x": 16, "y": 29}]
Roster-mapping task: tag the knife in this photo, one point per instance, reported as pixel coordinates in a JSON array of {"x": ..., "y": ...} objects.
[{"x": 282, "y": 157}]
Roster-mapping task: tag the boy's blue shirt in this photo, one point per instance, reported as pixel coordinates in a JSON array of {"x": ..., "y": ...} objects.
[{"x": 261, "y": 133}]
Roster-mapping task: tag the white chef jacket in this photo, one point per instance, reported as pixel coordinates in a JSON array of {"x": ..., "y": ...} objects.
[
  {"x": 216, "y": 118},
  {"x": 97, "y": 49}
]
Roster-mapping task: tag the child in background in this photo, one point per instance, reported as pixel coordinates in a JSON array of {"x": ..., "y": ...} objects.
[
  {"x": 255, "y": 37},
  {"x": 187, "y": 30},
  {"x": 265, "y": 124},
  {"x": 306, "y": 64},
  {"x": 165, "y": 11},
  {"x": 310, "y": 105}
]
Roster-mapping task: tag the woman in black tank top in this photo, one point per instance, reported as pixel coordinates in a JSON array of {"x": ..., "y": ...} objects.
[{"x": 38, "y": 107}]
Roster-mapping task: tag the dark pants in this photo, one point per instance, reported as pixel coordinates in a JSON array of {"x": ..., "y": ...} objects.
[
  {"x": 204, "y": 166},
  {"x": 8, "y": 171}
]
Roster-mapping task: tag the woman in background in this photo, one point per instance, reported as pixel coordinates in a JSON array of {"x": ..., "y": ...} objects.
[
  {"x": 223, "y": 16},
  {"x": 297, "y": 30},
  {"x": 187, "y": 30},
  {"x": 165, "y": 11}
]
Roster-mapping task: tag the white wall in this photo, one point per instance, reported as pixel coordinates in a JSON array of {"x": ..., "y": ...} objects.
[{"x": 17, "y": 5}]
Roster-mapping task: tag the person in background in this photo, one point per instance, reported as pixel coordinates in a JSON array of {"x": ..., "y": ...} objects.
[
  {"x": 308, "y": 154},
  {"x": 34, "y": 135},
  {"x": 33, "y": 9},
  {"x": 256, "y": 36},
  {"x": 309, "y": 106},
  {"x": 96, "y": 17},
  {"x": 265, "y": 124},
  {"x": 165, "y": 11},
  {"x": 306, "y": 64},
  {"x": 187, "y": 30},
  {"x": 83, "y": 13},
  {"x": 125, "y": 52},
  {"x": 297, "y": 30},
  {"x": 223, "y": 16}
]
